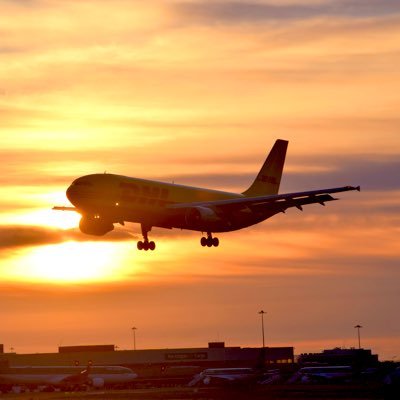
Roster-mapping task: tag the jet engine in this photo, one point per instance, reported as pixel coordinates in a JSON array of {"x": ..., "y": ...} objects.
[
  {"x": 203, "y": 218},
  {"x": 95, "y": 226}
]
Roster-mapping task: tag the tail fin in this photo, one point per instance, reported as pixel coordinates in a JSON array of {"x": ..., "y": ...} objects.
[{"x": 269, "y": 178}]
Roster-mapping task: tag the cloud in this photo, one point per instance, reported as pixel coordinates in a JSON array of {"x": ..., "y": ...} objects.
[
  {"x": 236, "y": 11},
  {"x": 22, "y": 236},
  {"x": 370, "y": 172},
  {"x": 21, "y": 2},
  {"x": 369, "y": 298},
  {"x": 9, "y": 50},
  {"x": 23, "y": 116}
]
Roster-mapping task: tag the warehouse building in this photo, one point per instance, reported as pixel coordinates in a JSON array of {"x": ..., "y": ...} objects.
[{"x": 158, "y": 362}]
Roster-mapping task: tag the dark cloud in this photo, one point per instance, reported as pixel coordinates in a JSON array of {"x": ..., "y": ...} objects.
[
  {"x": 21, "y": 236},
  {"x": 368, "y": 172},
  {"x": 10, "y": 50},
  {"x": 20, "y": 2},
  {"x": 236, "y": 11}
]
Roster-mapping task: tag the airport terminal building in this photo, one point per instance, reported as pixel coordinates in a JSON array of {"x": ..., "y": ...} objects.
[{"x": 157, "y": 362}]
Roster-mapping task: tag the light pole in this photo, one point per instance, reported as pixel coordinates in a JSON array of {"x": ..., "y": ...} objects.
[
  {"x": 358, "y": 332},
  {"x": 134, "y": 337},
  {"x": 262, "y": 312}
]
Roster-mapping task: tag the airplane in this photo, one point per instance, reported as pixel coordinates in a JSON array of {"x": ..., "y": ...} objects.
[
  {"x": 224, "y": 376},
  {"x": 65, "y": 377},
  {"x": 323, "y": 374},
  {"x": 106, "y": 199},
  {"x": 238, "y": 376}
]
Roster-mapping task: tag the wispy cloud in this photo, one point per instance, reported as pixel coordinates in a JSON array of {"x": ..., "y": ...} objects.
[
  {"x": 237, "y": 11},
  {"x": 25, "y": 236},
  {"x": 370, "y": 173}
]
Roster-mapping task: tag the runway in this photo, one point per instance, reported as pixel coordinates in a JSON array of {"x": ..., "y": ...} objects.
[{"x": 303, "y": 392}]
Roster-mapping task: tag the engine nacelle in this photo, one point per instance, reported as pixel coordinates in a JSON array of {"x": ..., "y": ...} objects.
[
  {"x": 202, "y": 218},
  {"x": 98, "y": 382},
  {"x": 95, "y": 226}
]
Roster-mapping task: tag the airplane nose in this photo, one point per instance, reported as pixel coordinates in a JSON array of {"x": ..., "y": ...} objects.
[
  {"x": 71, "y": 194},
  {"x": 132, "y": 376}
]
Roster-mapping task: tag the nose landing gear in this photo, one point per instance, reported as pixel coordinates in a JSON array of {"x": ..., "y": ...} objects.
[
  {"x": 209, "y": 240},
  {"x": 146, "y": 245}
]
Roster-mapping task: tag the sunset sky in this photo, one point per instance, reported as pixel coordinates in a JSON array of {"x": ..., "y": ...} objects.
[{"x": 197, "y": 92}]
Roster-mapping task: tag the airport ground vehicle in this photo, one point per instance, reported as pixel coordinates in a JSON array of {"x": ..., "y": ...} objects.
[
  {"x": 323, "y": 374},
  {"x": 225, "y": 376}
]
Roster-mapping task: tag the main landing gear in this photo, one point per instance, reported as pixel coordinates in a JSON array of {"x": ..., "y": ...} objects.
[
  {"x": 146, "y": 245},
  {"x": 209, "y": 240}
]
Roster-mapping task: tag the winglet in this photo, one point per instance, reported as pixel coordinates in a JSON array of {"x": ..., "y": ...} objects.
[{"x": 358, "y": 188}]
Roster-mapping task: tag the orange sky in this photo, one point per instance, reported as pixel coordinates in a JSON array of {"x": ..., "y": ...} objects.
[{"x": 196, "y": 92}]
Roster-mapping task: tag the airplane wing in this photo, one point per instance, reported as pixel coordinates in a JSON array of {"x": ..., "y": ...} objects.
[{"x": 277, "y": 203}]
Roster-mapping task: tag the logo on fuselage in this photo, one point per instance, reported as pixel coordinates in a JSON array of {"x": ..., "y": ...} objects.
[{"x": 136, "y": 193}]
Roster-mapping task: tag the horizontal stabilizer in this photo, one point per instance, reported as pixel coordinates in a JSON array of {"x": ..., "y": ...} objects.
[{"x": 58, "y": 208}]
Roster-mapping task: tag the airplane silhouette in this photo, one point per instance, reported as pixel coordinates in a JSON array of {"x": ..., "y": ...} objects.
[{"x": 106, "y": 199}]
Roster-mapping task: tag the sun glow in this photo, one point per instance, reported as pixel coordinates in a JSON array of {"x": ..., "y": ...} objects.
[
  {"x": 46, "y": 217},
  {"x": 36, "y": 208},
  {"x": 71, "y": 262}
]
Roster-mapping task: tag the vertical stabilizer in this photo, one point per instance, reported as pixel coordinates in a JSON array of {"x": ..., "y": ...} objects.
[{"x": 269, "y": 178}]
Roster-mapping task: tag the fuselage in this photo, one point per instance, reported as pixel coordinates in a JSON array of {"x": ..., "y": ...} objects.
[
  {"x": 106, "y": 199},
  {"x": 118, "y": 198},
  {"x": 58, "y": 375}
]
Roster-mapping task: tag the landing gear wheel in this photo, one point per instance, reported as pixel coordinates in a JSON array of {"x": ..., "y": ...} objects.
[
  {"x": 146, "y": 245},
  {"x": 209, "y": 241}
]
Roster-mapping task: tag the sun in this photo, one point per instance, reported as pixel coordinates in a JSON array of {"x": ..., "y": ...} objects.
[
  {"x": 48, "y": 218},
  {"x": 71, "y": 262}
]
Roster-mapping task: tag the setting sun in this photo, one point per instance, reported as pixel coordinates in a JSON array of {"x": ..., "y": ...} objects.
[{"x": 70, "y": 262}]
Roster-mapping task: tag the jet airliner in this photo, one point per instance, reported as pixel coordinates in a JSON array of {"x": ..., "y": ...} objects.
[
  {"x": 106, "y": 199},
  {"x": 65, "y": 377}
]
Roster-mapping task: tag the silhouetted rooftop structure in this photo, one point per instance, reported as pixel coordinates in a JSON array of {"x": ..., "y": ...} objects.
[
  {"x": 338, "y": 356},
  {"x": 79, "y": 349}
]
